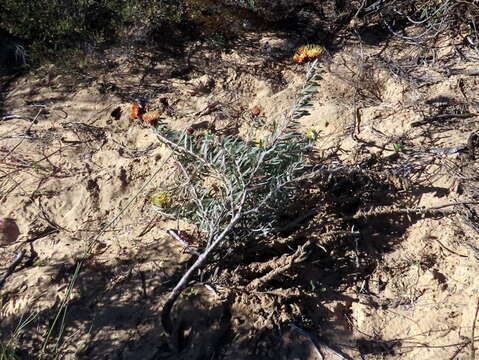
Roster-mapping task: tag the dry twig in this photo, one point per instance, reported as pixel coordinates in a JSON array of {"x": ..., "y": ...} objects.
[
  {"x": 180, "y": 239},
  {"x": 322, "y": 344},
  {"x": 473, "y": 350},
  {"x": 11, "y": 268},
  {"x": 405, "y": 211},
  {"x": 299, "y": 256}
]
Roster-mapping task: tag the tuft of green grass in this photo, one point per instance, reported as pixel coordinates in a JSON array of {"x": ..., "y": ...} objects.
[
  {"x": 7, "y": 352},
  {"x": 8, "y": 347}
]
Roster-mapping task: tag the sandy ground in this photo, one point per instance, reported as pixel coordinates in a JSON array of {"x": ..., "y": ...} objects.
[{"x": 405, "y": 288}]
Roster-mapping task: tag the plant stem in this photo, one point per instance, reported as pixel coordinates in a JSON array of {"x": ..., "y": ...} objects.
[{"x": 200, "y": 262}]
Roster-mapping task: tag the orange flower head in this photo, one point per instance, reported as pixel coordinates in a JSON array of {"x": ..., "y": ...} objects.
[
  {"x": 299, "y": 57},
  {"x": 307, "y": 53},
  {"x": 135, "y": 111},
  {"x": 152, "y": 117}
]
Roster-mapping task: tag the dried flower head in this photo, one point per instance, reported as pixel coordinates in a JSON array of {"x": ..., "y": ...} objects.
[
  {"x": 152, "y": 117},
  {"x": 307, "y": 53},
  {"x": 255, "y": 110},
  {"x": 136, "y": 111},
  {"x": 142, "y": 111}
]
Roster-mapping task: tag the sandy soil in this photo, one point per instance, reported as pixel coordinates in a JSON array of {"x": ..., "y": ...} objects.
[{"x": 388, "y": 281}]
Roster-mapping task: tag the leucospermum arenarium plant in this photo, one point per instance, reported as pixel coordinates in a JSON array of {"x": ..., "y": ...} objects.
[{"x": 232, "y": 189}]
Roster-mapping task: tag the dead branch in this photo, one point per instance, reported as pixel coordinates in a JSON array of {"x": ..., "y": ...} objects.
[
  {"x": 309, "y": 337},
  {"x": 133, "y": 153},
  {"x": 11, "y": 268},
  {"x": 429, "y": 119},
  {"x": 182, "y": 241},
  {"x": 299, "y": 256},
  {"x": 316, "y": 347},
  {"x": 405, "y": 211},
  {"x": 469, "y": 72},
  {"x": 20, "y": 117},
  {"x": 34, "y": 121},
  {"x": 443, "y": 246},
  {"x": 473, "y": 350}
]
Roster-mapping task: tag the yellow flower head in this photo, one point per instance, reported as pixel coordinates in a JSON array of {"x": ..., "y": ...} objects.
[
  {"x": 307, "y": 53},
  {"x": 312, "y": 134},
  {"x": 161, "y": 199},
  {"x": 258, "y": 142}
]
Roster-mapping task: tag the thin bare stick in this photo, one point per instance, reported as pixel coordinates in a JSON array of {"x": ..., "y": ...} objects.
[
  {"x": 309, "y": 337},
  {"x": 340, "y": 232},
  {"x": 34, "y": 121},
  {"x": 360, "y": 8},
  {"x": 183, "y": 242},
  {"x": 11, "y": 268},
  {"x": 446, "y": 248},
  {"x": 181, "y": 149},
  {"x": 20, "y": 117},
  {"x": 473, "y": 350},
  {"x": 322, "y": 344},
  {"x": 458, "y": 350}
]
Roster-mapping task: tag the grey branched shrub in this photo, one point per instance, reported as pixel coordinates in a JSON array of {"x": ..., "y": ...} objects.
[{"x": 226, "y": 183}]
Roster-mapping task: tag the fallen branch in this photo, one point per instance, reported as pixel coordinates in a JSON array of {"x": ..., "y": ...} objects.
[
  {"x": 434, "y": 118},
  {"x": 26, "y": 118},
  {"x": 315, "y": 346},
  {"x": 181, "y": 240},
  {"x": 470, "y": 72},
  {"x": 11, "y": 268},
  {"x": 473, "y": 350},
  {"x": 405, "y": 211},
  {"x": 299, "y": 256},
  {"x": 33, "y": 121},
  {"x": 444, "y": 247}
]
